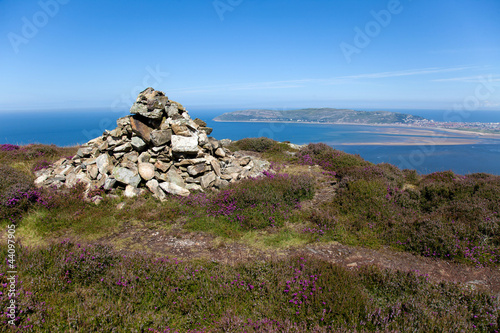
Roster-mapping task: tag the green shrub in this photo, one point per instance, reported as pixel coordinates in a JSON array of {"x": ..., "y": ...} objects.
[
  {"x": 259, "y": 145},
  {"x": 330, "y": 159},
  {"x": 254, "y": 203}
]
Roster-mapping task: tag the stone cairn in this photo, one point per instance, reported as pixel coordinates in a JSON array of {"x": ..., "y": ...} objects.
[{"x": 159, "y": 148}]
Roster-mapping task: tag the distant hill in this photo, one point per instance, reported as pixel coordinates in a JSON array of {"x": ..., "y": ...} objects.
[{"x": 322, "y": 115}]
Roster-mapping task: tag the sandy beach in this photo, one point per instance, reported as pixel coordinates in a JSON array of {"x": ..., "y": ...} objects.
[{"x": 408, "y": 135}]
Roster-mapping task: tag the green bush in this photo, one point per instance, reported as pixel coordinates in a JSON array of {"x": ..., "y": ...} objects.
[
  {"x": 260, "y": 145},
  {"x": 254, "y": 203},
  {"x": 330, "y": 159}
]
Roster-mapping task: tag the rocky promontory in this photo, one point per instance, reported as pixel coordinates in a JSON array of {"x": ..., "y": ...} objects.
[
  {"x": 158, "y": 148},
  {"x": 320, "y": 115}
]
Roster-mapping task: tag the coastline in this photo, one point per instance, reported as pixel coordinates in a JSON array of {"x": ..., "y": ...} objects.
[{"x": 469, "y": 137}]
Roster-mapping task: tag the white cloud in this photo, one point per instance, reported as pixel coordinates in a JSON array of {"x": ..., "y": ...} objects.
[
  {"x": 474, "y": 79},
  {"x": 298, "y": 83},
  {"x": 410, "y": 72}
]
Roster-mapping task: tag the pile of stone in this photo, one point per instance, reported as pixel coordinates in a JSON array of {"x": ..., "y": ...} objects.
[{"x": 158, "y": 148}]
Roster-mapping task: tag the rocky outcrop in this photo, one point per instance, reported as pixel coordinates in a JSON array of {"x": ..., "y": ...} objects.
[{"x": 158, "y": 148}]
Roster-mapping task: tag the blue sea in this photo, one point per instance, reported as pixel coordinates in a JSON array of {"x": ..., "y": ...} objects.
[{"x": 73, "y": 127}]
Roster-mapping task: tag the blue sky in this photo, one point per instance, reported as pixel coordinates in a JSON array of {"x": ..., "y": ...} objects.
[{"x": 251, "y": 53}]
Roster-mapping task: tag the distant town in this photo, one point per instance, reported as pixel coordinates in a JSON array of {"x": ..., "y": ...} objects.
[{"x": 488, "y": 128}]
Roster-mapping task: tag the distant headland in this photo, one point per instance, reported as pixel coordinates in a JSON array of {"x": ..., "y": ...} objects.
[
  {"x": 353, "y": 117},
  {"x": 321, "y": 115}
]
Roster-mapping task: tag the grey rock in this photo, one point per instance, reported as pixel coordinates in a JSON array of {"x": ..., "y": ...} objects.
[
  {"x": 142, "y": 110},
  {"x": 161, "y": 137},
  {"x": 243, "y": 160},
  {"x": 118, "y": 155},
  {"x": 63, "y": 170},
  {"x": 225, "y": 142},
  {"x": 260, "y": 165},
  {"x": 113, "y": 142},
  {"x": 95, "y": 142},
  {"x": 249, "y": 166},
  {"x": 84, "y": 152},
  {"x": 144, "y": 157},
  {"x": 194, "y": 170},
  {"x": 172, "y": 110},
  {"x": 233, "y": 169},
  {"x": 158, "y": 102},
  {"x": 126, "y": 176},
  {"x": 80, "y": 177},
  {"x": 59, "y": 178},
  {"x": 208, "y": 179},
  {"x": 216, "y": 166},
  {"x": 191, "y": 180},
  {"x": 116, "y": 133},
  {"x": 138, "y": 143},
  {"x": 103, "y": 146},
  {"x": 154, "y": 187},
  {"x": 131, "y": 157},
  {"x": 214, "y": 142},
  {"x": 92, "y": 171},
  {"x": 124, "y": 148},
  {"x": 220, "y": 183},
  {"x": 104, "y": 163},
  {"x": 173, "y": 176},
  {"x": 123, "y": 121},
  {"x": 109, "y": 183},
  {"x": 129, "y": 165}
]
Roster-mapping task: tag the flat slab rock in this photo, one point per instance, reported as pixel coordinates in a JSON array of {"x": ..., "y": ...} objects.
[{"x": 185, "y": 144}]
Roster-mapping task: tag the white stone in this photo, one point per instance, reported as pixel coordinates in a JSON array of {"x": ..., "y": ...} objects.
[
  {"x": 39, "y": 181},
  {"x": 104, "y": 163},
  {"x": 202, "y": 138},
  {"x": 154, "y": 187},
  {"x": 131, "y": 191},
  {"x": 194, "y": 187},
  {"x": 174, "y": 189},
  {"x": 126, "y": 176},
  {"x": 183, "y": 144}
]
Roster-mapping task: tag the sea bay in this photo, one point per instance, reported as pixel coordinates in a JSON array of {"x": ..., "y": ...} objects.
[{"x": 426, "y": 150}]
